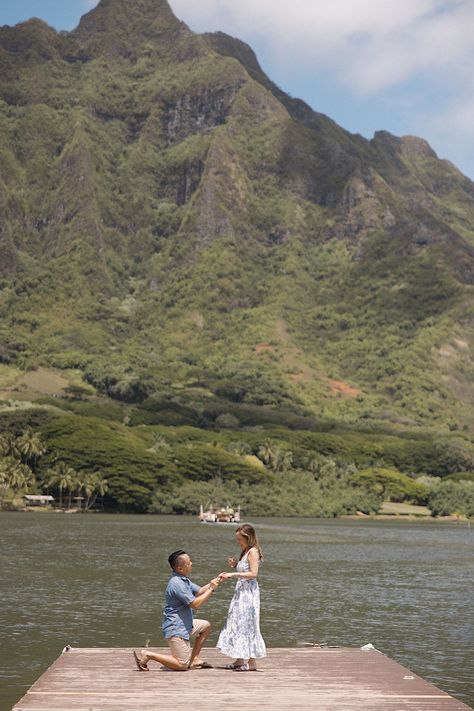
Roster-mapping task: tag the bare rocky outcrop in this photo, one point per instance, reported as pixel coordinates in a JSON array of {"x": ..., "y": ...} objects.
[{"x": 197, "y": 112}]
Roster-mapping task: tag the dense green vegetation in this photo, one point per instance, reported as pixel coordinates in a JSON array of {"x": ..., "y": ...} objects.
[
  {"x": 267, "y": 471},
  {"x": 242, "y": 278}
]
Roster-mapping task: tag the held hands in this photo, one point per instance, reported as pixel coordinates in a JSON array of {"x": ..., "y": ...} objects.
[
  {"x": 215, "y": 582},
  {"x": 233, "y": 564}
]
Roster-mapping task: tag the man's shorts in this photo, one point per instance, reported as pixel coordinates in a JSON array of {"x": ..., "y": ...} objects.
[{"x": 181, "y": 648}]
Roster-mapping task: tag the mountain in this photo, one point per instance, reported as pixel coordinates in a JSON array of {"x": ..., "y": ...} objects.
[{"x": 187, "y": 236}]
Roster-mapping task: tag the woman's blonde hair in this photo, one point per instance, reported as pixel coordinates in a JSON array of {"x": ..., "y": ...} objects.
[{"x": 248, "y": 532}]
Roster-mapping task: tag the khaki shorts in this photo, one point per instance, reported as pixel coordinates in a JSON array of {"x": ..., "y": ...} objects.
[{"x": 181, "y": 648}]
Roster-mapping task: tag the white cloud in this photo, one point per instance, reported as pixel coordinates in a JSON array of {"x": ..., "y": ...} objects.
[
  {"x": 405, "y": 62},
  {"x": 450, "y": 130},
  {"x": 370, "y": 44},
  {"x": 456, "y": 119},
  {"x": 431, "y": 47}
]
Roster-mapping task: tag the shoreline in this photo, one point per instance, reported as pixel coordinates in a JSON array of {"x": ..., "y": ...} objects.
[
  {"x": 400, "y": 517},
  {"x": 405, "y": 517}
]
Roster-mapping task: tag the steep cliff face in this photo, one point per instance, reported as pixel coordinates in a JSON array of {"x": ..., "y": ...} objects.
[
  {"x": 167, "y": 209},
  {"x": 129, "y": 31}
]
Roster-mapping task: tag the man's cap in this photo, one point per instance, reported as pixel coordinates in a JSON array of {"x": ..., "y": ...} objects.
[{"x": 173, "y": 557}]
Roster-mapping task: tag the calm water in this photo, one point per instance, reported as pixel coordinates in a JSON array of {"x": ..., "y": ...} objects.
[{"x": 98, "y": 580}]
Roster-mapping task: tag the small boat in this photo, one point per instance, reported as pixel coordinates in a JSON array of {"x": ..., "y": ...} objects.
[{"x": 225, "y": 514}]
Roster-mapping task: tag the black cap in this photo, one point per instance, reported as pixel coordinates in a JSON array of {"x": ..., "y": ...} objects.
[{"x": 173, "y": 557}]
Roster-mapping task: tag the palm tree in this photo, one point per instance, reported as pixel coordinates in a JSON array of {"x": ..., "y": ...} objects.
[
  {"x": 24, "y": 478},
  {"x": 5, "y": 465},
  {"x": 20, "y": 476},
  {"x": 9, "y": 446},
  {"x": 275, "y": 458},
  {"x": 30, "y": 447},
  {"x": 3, "y": 484},
  {"x": 79, "y": 484},
  {"x": 14, "y": 475},
  {"x": 94, "y": 486},
  {"x": 267, "y": 454},
  {"x": 283, "y": 460},
  {"x": 63, "y": 476},
  {"x": 89, "y": 487}
]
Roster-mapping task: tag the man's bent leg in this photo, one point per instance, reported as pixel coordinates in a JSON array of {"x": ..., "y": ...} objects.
[
  {"x": 201, "y": 629},
  {"x": 181, "y": 655},
  {"x": 181, "y": 650}
]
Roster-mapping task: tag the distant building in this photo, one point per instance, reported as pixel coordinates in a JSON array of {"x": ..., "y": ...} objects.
[{"x": 38, "y": 500}]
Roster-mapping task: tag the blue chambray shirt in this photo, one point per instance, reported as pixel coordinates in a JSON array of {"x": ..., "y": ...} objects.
[{"x": 177, "y": 615}]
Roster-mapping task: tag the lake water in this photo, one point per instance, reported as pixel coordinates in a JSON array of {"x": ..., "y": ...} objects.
[{"x": 98, "y": 580}]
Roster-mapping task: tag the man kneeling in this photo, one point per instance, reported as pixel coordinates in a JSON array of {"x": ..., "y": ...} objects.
[{"x": 181, "y": 598}]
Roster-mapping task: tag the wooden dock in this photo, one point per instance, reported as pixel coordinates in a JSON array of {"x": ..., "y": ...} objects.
[{"x": 327, "y": 679}]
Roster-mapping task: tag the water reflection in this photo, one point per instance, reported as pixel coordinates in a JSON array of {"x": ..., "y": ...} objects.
[{"x": 98, "y": 581}]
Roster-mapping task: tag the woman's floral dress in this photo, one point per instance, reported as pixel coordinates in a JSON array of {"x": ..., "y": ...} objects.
[{"x": 241, "y": 636}]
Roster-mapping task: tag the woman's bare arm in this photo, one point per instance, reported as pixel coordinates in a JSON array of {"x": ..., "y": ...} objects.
[{"x": 254, "y": 562}]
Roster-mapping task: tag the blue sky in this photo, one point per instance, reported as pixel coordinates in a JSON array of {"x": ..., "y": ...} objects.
[{"x": 404, "y": 66}]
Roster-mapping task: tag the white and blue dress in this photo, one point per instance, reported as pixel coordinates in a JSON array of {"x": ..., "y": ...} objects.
[{"x": 241, "y": 636}]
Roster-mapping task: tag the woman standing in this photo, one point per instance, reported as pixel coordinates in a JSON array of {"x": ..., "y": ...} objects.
[{"x": 241, "y": 636}]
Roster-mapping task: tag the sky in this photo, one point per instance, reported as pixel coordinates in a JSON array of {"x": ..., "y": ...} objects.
[{"x": 404, "y": 66}]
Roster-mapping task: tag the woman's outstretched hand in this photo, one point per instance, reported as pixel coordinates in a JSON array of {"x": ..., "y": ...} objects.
[{"x": 226, "y": 576}]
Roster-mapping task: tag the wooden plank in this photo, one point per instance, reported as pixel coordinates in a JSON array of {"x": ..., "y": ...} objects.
[{"x": 341, "y": 679}]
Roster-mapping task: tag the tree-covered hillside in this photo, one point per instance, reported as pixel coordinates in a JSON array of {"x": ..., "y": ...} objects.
[
  {"x": 183, "y": 236},
  {"x": 89, "y": 462}
]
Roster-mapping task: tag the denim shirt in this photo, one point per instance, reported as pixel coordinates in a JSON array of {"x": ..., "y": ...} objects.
[{"x": 177, "y": 615}]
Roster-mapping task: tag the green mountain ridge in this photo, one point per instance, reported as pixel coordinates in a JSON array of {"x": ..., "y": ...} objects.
[{"x": 180, "y": 230}]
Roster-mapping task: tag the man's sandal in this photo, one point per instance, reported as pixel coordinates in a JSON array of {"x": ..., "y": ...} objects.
[
  {"x": 201, "y": 665},
  {"x": 141, "y": 666}
]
